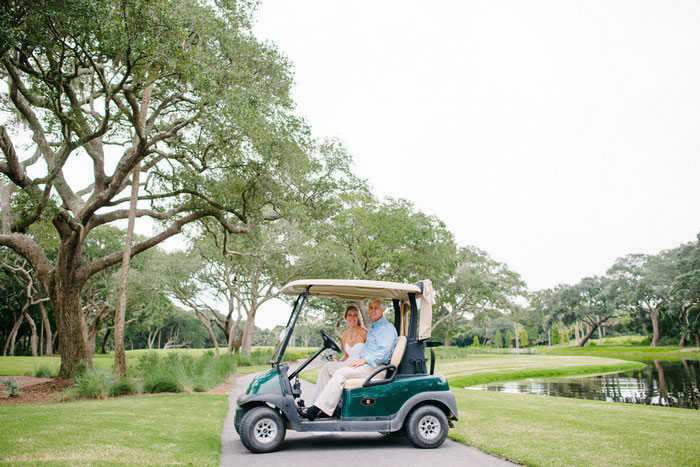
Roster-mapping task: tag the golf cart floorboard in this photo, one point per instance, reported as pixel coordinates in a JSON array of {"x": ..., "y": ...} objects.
[{"x": 345, "y": 424}]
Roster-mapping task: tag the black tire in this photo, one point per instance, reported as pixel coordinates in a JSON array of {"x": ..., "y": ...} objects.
[
  {"x": 262, "y": 429},
  {"x": 427, "y": 427}
]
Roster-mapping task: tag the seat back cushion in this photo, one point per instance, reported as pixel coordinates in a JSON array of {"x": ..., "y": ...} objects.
[{"x": 396, "y": 357}]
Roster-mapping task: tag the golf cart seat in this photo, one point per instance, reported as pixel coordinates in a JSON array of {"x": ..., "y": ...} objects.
[{"x": 396, "y": 357}]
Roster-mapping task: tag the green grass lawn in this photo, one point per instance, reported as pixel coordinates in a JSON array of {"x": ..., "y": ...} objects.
[
  {"x": 146, "y": 430},
  {"x": 556, "y": 431}
]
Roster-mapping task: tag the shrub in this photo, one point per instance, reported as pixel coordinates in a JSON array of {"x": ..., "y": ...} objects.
[
  {"x": 476, "y": 341},
  {"x": 123, "y": 387},
  {"x": 44, "y": 372},
  {"x": 93, "y": 384},
  {"x": 10, "y": 388},
  {"x": 509, "y": 339}
]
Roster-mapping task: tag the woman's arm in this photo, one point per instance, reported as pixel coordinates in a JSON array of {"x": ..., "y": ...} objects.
[{"x": 342, "y": 339}]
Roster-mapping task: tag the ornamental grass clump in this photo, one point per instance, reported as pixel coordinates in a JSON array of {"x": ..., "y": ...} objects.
[
  {"x": 10, "y": 388},
  {"x": 183, "y": 373},
  {"x": 95, "y": 383},
  {"x": 123, "y": 387},
  {"x": 44, "y": 372}
]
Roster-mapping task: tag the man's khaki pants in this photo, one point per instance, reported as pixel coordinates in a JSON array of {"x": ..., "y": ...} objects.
[{"x": 331, "y": 379}]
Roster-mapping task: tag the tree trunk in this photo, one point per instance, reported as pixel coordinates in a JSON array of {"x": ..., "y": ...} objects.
[
  {"x": 248, "y": 331},
  {"x": 41, "y": 339},
  {"x": 206, "y": 324},
  {"x": 104, "y": 341},
  {"x": 655, "y": 326},
  {"x": 5, "y": 207},
  {"x": 591, "y": 330},
  {"x": 71, "y": 326},
  {"x": 10, "y": 343},
  {"x": 47, "y": 328},
  {"x": 33, "y": 340},
  {"x": 120, "y": 314},
  {"x": 600, "y": 330},
  {"x": 549, "y": 337}
]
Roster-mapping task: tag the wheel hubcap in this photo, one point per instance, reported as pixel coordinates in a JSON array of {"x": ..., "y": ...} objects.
[
  {"x": 429, "y": 427},
  {"x": 265, "y": 431}
]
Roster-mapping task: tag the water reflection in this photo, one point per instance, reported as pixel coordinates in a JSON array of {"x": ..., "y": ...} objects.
[{"x": 669, "y": 383}]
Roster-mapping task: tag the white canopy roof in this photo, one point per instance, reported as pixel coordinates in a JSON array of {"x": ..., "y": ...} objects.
[{"x": 346, "y": 289}]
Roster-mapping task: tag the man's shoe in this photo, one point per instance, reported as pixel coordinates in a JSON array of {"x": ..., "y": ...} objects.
[{"x": 308, "y": 412}]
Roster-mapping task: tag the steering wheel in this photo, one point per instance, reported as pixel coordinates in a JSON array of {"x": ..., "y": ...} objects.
[{"x": 328, "y": 342}]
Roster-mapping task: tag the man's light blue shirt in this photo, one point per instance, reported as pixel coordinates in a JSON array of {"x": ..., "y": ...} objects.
[{"x": 381, "y": 340}]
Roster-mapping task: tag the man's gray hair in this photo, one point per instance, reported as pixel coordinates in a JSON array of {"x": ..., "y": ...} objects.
[{"x": 373, "y": 300}]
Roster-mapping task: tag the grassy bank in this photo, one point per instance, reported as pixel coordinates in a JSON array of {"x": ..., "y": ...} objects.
[
  {"x": 480, "y": 369},
  {"x": 554, "y": 431},
  {"x": 149, "y": 430},
  {"x": 631, "y": 352}
]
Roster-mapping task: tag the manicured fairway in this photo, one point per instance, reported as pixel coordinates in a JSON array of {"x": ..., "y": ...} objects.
[
  {"x": 143, "y": 430},
  {"x": 479, "y": 369},
  {"x": 484, "y": 368},
  {"x": 556, "y": 431}
]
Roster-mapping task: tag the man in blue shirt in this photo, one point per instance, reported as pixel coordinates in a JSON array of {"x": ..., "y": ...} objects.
[{"x": 381, "y": 340}]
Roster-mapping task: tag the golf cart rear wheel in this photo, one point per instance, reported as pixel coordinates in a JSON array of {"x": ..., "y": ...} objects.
[
  {"x": 427, "y": 427},
  {"x": 262, "y": 429}
]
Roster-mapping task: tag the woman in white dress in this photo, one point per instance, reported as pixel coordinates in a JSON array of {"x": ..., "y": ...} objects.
[{"x": 354, "y": 337}]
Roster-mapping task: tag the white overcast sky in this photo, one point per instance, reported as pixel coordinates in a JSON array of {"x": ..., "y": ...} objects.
[{"x": 556, "y": 135}]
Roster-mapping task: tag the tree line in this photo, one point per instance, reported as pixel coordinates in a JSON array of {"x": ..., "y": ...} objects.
[{"x": 174, "y": 114}]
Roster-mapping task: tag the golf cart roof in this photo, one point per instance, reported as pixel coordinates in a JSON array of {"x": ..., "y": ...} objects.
[{"x": 346, "y": 289}]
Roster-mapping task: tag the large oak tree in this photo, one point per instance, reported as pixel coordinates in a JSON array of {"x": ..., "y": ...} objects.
[{"x": 180, "y": 87}]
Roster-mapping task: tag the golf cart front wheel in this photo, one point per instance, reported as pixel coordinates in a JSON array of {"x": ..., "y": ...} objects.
[
  {"x": 262, "y": 429},
  {"x": 427, "y": 427}
]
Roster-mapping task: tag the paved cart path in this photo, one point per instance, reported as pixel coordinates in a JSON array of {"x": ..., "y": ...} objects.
[{"x": 343, "y": 449}]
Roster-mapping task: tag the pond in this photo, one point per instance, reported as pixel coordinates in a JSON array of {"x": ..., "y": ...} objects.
[{"x": 669, "y": 383}]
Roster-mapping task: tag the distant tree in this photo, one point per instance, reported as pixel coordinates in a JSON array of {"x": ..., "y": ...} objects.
[
  {"x": 564, "y": 333},
  {"x": 686, "y": 291},
  {"x": 645, "y": 283},
  {"x": 498, "y": 339},
  {"x": 556, "y": 337},
  {"x": 509, "y": 339},
  {"x": 480, "y": 287},
  {"x": 523, "y": 338}
]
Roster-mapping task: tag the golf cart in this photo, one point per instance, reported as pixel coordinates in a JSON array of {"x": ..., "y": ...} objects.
[{"x": 401, "y": 397}]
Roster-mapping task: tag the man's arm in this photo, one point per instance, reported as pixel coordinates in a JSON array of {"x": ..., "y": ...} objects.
[{"x": 383, "y": 346}]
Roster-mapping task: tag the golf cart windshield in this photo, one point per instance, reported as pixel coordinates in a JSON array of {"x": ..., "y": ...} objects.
[{"x": 280, "y": 343}]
